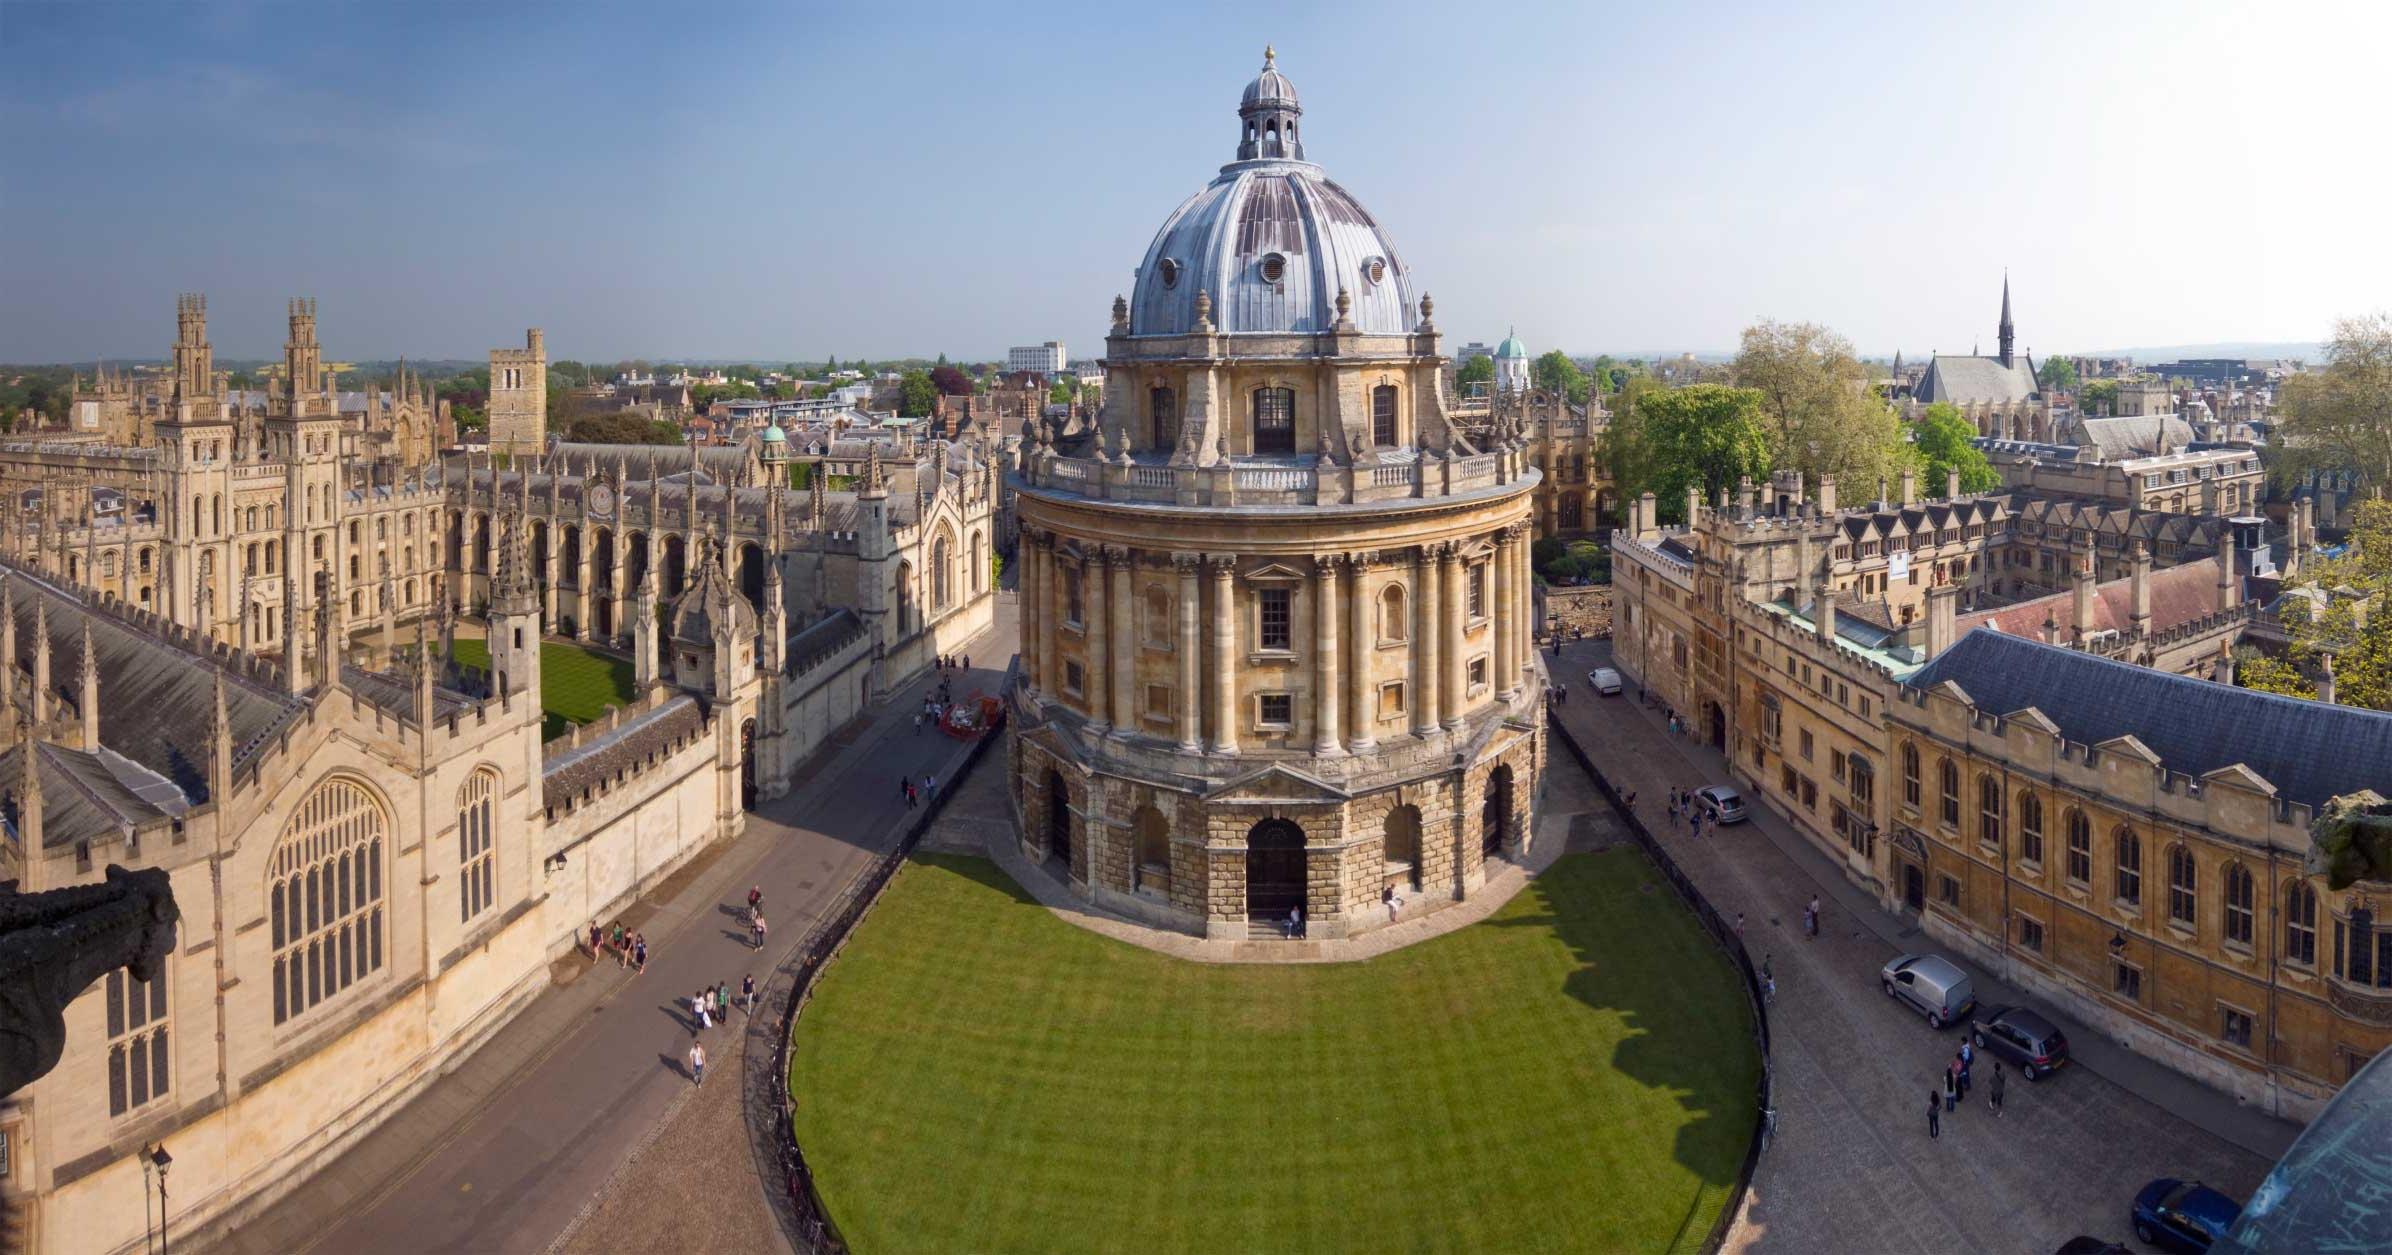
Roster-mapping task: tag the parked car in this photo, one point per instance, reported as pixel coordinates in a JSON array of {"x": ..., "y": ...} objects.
[
  {"x": 1932, "y": 985},
  {"x": 1604, "y": 680},
  {"x": 2182, "y": 1215},
  {"x": 1722, "y": 803},
  {"x": 2027, "y": 1040},
  {"x": 2083, "y": 1245}
]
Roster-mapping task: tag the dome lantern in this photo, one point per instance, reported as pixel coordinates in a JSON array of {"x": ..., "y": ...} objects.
[{"x": 1267, "y": 115}]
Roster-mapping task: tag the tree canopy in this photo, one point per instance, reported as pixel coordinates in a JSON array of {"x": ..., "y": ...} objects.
[
  {"x": 1555, "y": 372},
  {"x": 950, "y": 381},
  {"x": 2340, "y": 417},
  {"x": 1946, "y": 442},
  {"x": 2098, "y": 397},
  {"x": 916, "y": 395},
  {"x": 1822, "y": 417},
  {"x": 1476, "y": 370},
  {"x": 622, "y": 427},
  {"x": 1665, "y": 440},
  {"x": 2057, "y": 374},
  {"x": 2355, "y": 631}
]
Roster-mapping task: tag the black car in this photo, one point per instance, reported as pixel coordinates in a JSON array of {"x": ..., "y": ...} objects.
[
  {"x": 2024, "y": 1039},
  {"x": 2081, "y": 1245}
]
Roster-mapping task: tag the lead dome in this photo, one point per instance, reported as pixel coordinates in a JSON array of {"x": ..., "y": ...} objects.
[{"x": 1271, "y": 241}]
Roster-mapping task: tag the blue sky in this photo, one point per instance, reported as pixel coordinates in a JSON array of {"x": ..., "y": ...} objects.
[{"x": 783, "y": 182}]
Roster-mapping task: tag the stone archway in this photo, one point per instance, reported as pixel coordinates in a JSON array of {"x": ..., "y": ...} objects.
[
  {"x": 1275, "y": 875},
  {"x": 1495, "y": 813},
  {"x": 1058, "y": 800}
]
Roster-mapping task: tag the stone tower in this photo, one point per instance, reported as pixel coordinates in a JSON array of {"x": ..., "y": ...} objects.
[
  {"x": 519, "y": 396},
  {"x": 194, "y": 357},
  {"x": 302, "y": 358}
]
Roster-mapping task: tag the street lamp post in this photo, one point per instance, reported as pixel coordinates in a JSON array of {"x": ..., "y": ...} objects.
[{"x": 161, "y": 1160}]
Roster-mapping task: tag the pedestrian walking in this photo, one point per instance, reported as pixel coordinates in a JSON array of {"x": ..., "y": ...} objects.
[
  {"x": 747, "y": 992},
  {"x": 1392, "y": 902},
  {"x": 967, "y": 662},
  {"x": 755, "y": 898},
  {"x": 639, "y": 951},
  {"x": 1993, "y": 1091},
  {"x": 622, "y": 951},
  {"x": 1934, "y": 1118},
  {"x": 597, "y": 939},
  {"x": 1810, "y": 918},
  {"x": 930, "y": 788},
  {"x": 698, "y": 1003},
  {"x": 1965, "y": 1061},
  {"x": 1739, "y": 925},
  {"x": 917, "y": 723},
  {"x": 909, "y": 795},
  {"x": 722, "y": 1001},
  {"x": 1951, "y": 1085},
  {"x": 756, "y": 931},
  {"x": 697, "y": 1063}
]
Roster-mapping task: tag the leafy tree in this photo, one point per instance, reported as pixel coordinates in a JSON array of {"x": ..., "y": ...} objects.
[
  {"x": 242, "y": 380},
  {"x": 1060, "y": 394},
  {"x": 469, "y": 417},
  {"x": 1708, "y": 436},
  {"x": 1475, "y": 371},
  {"x": 2355, "y": 632},
  {"x": 2057, "y": 374},
  {"x": 622, "y": 427},
  {"x": 949, "y": 380},
  {"x": 2098, "y": 397},
  {"x": 1555, "y": 372},
  {"x": 1947, "y": 442},
  {"x": 916, "y": 395},
  {"x": 1822, "y": 417},
  {"x": 2341, "y": 416}
]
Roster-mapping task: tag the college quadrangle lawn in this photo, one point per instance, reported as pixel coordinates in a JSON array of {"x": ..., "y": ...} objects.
[
  {"x": 576, "y": 684},
  {"x": 1576, "y": 1072}
]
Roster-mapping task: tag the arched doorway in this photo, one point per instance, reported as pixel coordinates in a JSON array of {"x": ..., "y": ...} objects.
[
  {"x": 1058, "y": 819},
  {"x": 1719, "y": 726},
  {"x": 1274, "y": 870},
  {"x": 1495, "y": 814},
  {"x": 1150, "y": 858},
  {"x": 747, "y": 765},
  {"x": 751, "y": 575},
  {"x": 1401, "y": 852}
]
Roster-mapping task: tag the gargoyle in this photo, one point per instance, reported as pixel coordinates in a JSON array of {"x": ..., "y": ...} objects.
[{"x": 54, "y": 944}]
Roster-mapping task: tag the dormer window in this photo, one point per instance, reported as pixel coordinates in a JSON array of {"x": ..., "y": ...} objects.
[
  {"x": 1274, "y": 267},
  {"x": 1168, "y": 270}
]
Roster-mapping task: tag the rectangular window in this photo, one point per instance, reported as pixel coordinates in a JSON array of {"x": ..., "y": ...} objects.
[
  {"x": 1382, "y": 415},
  {"x": 1835, "y": 762},
  {"x": 1947, "y": 891},
  {"x": 1785, "y": 780},
  {"x": 1071, "y": 597},
  {"x": 1274, "y": 420},
  {"x": 1391, "y": 701},
  {"x": 1864, "y": 780},
  {"x": 2126, "y": 981},
  {"x": 1810, "y": 794},
  {"x": 1478, "y": 674},
  {"x": 1073, "y": 679},
  {"x": 138, "y": 1059},
  {"x": 1806, "y": 745},
  {"x": 2030, "y": 934},
  {"x": 1158, "y": 701},
  {"x": 2235, "y": 1028},
  {"x": 1273, "y": 630},
  {"x": 1476, "y": 585},
  {"x": 1278, "y": 710}
]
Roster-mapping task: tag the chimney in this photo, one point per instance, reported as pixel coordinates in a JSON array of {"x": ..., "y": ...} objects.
[
  {"x": 2229, "y": 587},
  {"x": 89, "y": 698},
  {"x": 1910, "y": 488},
  {"x": 2139, "y": 573},
  {"x": 1823, "y": 616},
  {"x": 1744, "y": 495},
  {"x": 1694, "y": 504},
  {"x": 2325, "y": 678},
  {"x": 1952, "y": 484},
  {"x": 2084, "y": 594},
  {"x": 1942, "y": 602},
  {"x": 1827, "y": 495}
]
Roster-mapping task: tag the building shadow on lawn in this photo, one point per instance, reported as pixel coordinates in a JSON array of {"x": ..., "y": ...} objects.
[{"x": 1700, "y": 1050}]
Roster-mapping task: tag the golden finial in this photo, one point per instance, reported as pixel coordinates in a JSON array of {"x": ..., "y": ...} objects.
[{"x": 1268, "y": 56}]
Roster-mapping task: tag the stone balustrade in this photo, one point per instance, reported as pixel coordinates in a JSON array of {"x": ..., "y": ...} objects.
[{"x": 1286, "y": 481}]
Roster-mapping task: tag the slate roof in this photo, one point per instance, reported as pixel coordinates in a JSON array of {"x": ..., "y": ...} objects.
[
  {"x": 1963, "y": 380},
  {"x": 2309, "y": 751},
  {"x": 2135, "y": 436},
  {"x": 731, "y": 462},
  {"x": 574, "y": 771}
]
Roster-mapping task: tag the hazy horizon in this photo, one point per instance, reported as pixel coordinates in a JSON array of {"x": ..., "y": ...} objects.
[{"x": 776, "y": 185}]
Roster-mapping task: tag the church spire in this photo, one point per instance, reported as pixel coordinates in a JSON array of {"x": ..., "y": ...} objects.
[{"x": 2008, "y": 332}]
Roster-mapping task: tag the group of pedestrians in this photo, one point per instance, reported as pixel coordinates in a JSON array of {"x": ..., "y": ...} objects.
[
  {"x": 1683, "y": 808},
  {"x": 710, "y": 1008},
  {"x": 915, "y": 795},
  {"x": 629, "y": 948},
  {"x": 755, "y": 918},
  {"x": 1956, "y": 1086}
]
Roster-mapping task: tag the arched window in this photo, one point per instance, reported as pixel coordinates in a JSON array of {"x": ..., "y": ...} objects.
[
  {"x": 2080, "y": 847},
  {"x": 325, "y": 897},
  {"x": 1401, "y": 849},
  {"x": 1163, "y": 408},
  {"x": 1274, "y": 420},
  {"x": 2126, "y": 880},
  {"x": 2300, "y": 924},
  {"x": 978, "y": 557},
  {"x": 2238, "y": 905},
  {"x": 2030, "y": 827},
  {"x": 477, "y": 805},
  {"x": 1150, "y": 860},
  {"x": 1989, "y": 810},
  {"x": 2356, "y": 953},
  {"x": 1947, "y": 789},
  {"x": 1382, "y": 415},
  {"x": 940, "y": 556},
  {"x": 1394, "y": 621},
  {"x": 2182, "y": 885},
  {"x": 1573, "y": 513},
  {"x": 1910, "y": 775}
]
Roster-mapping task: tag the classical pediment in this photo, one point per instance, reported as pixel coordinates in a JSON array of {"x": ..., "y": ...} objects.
[
  {"x": 1277, "y": 783},
  {"x": 1276, "y": 571}
]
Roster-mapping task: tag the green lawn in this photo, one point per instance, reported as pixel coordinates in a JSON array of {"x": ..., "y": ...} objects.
[
  {"x": 576, "y": 684},
  {"x": 1577, "y": 1072}
]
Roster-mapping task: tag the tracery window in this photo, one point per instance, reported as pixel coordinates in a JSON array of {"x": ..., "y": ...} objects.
[
  {"x": 2300, "y": 925},
  {"x": 325, "y": 897},
  {"x": 1947, "y": 784},
  {"x": 138, "y": 1056},
  {"x": 2080, "y": 848},
  {"x": 1164, "y": 408},
  {"x": 1989, "y": 810},
  {"x": 2238, "y": 905},
  {"x": 2182, "y": 887},
  {"x": 477, "y": 805},
  {"x": 2127, "y": 873},
  {"x": 2030, "y": 827},
  {"x": 1910, "y": 775},
  {"x": 1274, "y": 420}
]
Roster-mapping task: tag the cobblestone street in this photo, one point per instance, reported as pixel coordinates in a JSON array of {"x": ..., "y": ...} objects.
[{"x": 1851, "y": 1168}]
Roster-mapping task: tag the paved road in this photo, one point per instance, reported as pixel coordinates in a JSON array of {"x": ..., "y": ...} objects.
[
  {"x": 535, "y": 1152},
  {"x": 1851, "y": 1167}
]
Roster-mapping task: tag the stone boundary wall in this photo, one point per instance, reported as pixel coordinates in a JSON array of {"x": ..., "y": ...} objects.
[{"x": 1724, "y": 934}]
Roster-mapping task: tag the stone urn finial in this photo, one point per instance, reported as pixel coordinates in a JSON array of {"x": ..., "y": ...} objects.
[{"x": 1204, "y": 310}]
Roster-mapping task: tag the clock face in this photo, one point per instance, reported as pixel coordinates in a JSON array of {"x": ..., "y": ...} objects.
[{"x": 602, "y": 499}]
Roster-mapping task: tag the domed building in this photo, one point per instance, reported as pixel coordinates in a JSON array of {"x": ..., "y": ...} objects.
[
  {"x": 1276, "y": 612},
  {"x": 1511, "y": 364}
]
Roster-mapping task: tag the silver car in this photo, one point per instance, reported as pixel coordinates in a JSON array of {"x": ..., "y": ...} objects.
[
  {"x": 1931, "y": 984},
  {"x": 1604, "y": 680},
  {"x": 1723, "y": 804}
]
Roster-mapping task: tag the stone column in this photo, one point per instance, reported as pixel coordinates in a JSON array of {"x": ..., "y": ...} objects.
[
  {"x": 1425, "y": 688},
  {"x": 1524, "y": 603},
  {"x": 1362, "y": 709},
  {"x": 1504, "y": 621},
  {"x": 1326, "y": 693},
  {"x": 1050, "y": 614},
  {"x": 581, "y": 589},
  {"x": 1449, "y": 651},
  {"x": 1026, "y": 592},
  {"x": 1189, "y": 645},
  {"x": 1122, "y": 625},
  {"x": 1225, "y": 652},
  {"x": 1095, "y": 627}
]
